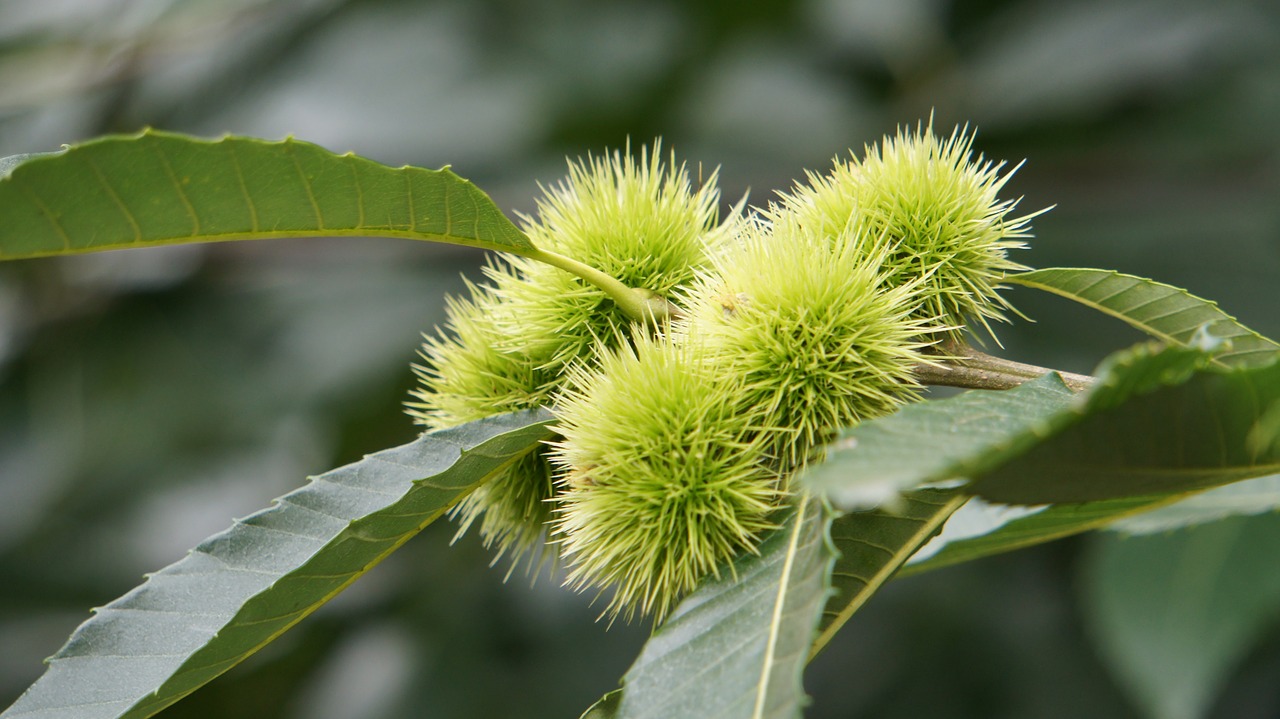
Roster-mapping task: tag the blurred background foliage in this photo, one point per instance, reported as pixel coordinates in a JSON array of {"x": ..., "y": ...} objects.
[{"x": 146, "y": 397}]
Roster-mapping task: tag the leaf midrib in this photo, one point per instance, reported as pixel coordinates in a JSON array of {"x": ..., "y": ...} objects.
[
  {"x": 208, "y": 238},
  {"x": 775, "y": 622},
  {"x": 897, "y": 558}
]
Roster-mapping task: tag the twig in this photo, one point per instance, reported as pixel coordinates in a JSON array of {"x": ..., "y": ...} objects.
[{"x": 959, "y": 365}]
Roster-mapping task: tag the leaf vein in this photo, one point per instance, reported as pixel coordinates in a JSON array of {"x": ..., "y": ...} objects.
[
  {"x": 291, "y": 149},
  {"x": 115, "y": 198},
  {"x": 182, "y": 194},
  {"x": 254, "y": 225},
  {"x": 48, "y": 215},
  {"x": 355, "y": 177},
  {"x": 408, "y": 186}
]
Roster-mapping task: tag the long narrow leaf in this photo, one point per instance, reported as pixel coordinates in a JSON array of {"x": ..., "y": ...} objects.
[
  {"x": 934, "y": 441},
  {"x": 1252, "y": 496},
  {"x": 1152, "y": 425},
  {"x": 1049, "y": 523},
  {"x": 157, "y": 188},
  {"x": 737, "y": 647},
  {"x": 242, "y": 588},
  {"x": 1162, "y": 311},
  {"x": 1193, "y": 434}
]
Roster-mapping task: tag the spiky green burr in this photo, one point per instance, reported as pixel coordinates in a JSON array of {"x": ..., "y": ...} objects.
[
  {"x": 938, "y": 206},
  {"x": 818, "y": 336},
  {"x": 635, "y": 218},
  {"x": 664, "y": 477}
]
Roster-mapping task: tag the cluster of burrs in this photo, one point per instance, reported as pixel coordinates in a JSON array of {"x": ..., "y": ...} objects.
[{"x": 679, "y": 438}]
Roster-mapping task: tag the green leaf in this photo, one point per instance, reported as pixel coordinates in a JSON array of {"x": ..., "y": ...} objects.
[
  {"x": 8, "y": 163},
  {"x": 737, "y": 646},
  {"x": 1151, "y": 425},
  {"x": 1173, "y": 614},
  {"x": 980, "y": 530},
  {"x": 938, "y": 440},
  {"x": 157, "y": 188},
  {"x": 242, "y": 588},
  {"x": 1252, "y": 496},
  {"x": 873, "y": 545},
  {"x": 606, "y": 708},
  {"x": 1162, "y": 311},
  {"x": 1189, "y": 435}
]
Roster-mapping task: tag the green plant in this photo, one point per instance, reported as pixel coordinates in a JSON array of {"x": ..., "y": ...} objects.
[{"x": 732, "y": 406}]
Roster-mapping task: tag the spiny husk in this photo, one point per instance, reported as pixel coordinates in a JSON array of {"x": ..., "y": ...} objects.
[
  {"x": 810, "y": 325},
  {"x": 810, "y": 318},
  {"x": 664, "y": 478},
  {"x": 467, "y": 377},
  {"x": 937, "y": 205},
  {"x": 636, "y": 218}
]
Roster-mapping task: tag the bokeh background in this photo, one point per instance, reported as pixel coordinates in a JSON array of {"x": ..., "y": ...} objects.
[{"x": 147, "y": 397}]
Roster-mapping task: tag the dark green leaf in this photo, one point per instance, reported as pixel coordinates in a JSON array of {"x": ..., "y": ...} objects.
[
  {"x": 1162, "y": 311},
  {"x": 960, "y": 436},
  {"x": 873, "y": 545},
  {"x": 242, "y": 588},
  {"x": 157, "y": 188},
  {"x": 1167, "y": 312},
  {"x": 1252, "y": 496},
  {"x": 996, "y": 532},
  {"x": 737, "y": 646},
  {"x": 1174, "y": 613},
  {"x": 1151, "y": 425},
  {"x": 1187, "y": 436}
]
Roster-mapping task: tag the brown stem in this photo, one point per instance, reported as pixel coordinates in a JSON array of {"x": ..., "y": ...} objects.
[{"x": 959, "y": 365}]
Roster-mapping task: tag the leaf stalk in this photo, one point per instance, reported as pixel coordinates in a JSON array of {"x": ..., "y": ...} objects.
[{"x": 640, "y": 304}]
